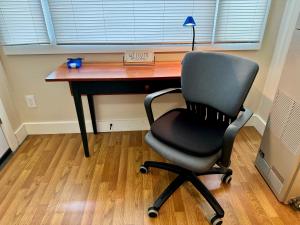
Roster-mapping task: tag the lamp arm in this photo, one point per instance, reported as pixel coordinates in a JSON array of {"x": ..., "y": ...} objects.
[{"x": 193, "y": 46}]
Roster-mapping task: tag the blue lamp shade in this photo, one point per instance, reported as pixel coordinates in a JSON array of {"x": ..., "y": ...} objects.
[{"x": 189, "y": 22}]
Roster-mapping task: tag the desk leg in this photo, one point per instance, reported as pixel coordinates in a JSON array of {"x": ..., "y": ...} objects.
[
  {"x": 92, "y": 111},
  {"x": 81, "y": 121}
]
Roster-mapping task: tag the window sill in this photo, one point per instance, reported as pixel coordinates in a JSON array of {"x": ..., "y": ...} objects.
[{"x": 76, "y": 49}]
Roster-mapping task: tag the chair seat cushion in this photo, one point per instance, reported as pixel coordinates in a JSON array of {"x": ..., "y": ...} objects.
[{"x": 184, "y": 130}]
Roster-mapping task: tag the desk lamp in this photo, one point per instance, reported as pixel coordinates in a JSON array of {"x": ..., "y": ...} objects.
[{"x": 190, "y": 22}]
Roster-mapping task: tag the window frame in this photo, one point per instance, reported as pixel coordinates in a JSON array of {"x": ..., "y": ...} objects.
[{"x": 54, "y": 48}]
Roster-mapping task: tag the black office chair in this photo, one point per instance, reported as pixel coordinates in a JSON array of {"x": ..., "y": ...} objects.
[{"x": 199, "y": 139}]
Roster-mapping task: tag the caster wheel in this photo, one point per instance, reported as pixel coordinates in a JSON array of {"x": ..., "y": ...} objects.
[
  {"x": 216, "y": 220},
  {"x": 152, "y": 212},
  {"x": 226, "y": 178},
  {"x": 296, "y": 205},
  {"x": 143, "y": 169}
]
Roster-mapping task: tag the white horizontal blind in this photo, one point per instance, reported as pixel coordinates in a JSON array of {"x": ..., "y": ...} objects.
[
  {"x": 22, "y": 22},
  {"x": 241, "y": 21},
  {"x": 130, "y": 21}
]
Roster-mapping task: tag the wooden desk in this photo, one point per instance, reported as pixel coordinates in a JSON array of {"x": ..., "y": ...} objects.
[{"x": 113, "y": 78}]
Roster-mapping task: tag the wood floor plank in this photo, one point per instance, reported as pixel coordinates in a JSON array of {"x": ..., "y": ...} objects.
[{"x": 49, "y": 181}]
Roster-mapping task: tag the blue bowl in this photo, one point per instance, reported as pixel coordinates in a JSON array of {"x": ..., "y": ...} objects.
[{"x": 74, "y": 63}]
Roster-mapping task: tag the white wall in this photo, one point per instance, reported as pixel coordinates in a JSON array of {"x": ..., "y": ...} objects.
[
  {"x": 283, "y": 41},
  {"x": 8, "y": 112},
  {"x": 7, "y": 99}
]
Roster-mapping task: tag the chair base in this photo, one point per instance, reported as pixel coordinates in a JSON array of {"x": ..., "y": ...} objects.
[{"x": 183, "y": 176}]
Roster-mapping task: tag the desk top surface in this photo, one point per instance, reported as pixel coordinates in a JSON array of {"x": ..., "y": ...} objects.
[{"x": 95, "y": 71}]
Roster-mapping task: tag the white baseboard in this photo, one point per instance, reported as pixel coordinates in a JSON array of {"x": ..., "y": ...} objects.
[
  {"x": 59, "y": 127},
  {"x": 258, "y": 123},
  {"x": 21, "y": 133}
]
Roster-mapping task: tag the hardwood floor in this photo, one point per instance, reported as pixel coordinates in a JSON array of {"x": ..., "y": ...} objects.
[{"x": 48, "y": 181}]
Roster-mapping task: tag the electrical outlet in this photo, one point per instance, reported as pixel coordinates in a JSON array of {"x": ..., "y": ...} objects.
[{"x": 30, "y": 101}]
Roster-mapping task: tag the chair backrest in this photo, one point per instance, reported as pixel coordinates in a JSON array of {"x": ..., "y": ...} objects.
[
  {"x": 209, "y": 114},
  {"x": 218, "y": 81}
]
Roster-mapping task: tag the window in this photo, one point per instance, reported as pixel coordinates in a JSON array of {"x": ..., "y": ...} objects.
[
  {"x": 22, "y": 22},
  {"x": 240, "y": 21},
  {"x": 237, "y": 23},
  {"x": 130, "y": 21}
]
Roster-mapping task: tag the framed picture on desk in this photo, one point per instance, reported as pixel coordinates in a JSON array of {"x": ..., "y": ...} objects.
[{"x": 140, "y": 57}]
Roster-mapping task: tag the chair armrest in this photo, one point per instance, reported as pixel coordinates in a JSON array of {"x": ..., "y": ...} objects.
[
  {"x": 230, "y": 134},
  {"x": 149, "y": 98}
]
